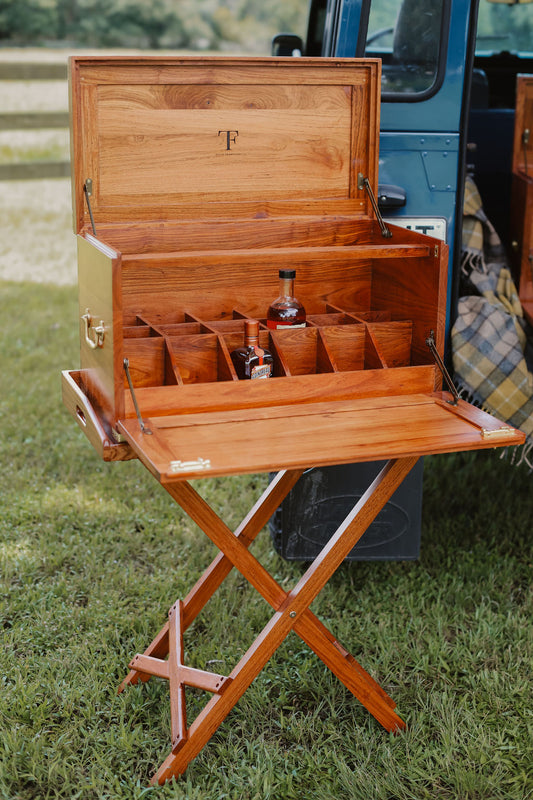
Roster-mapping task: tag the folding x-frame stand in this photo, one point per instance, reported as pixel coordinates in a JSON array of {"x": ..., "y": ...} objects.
[{"x": 291, "y": 613}]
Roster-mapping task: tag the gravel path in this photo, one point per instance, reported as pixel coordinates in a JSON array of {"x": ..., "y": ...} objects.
[{"x": 37, "y": 242}]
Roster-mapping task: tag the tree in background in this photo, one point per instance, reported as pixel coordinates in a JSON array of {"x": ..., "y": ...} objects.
[
  {"x": 24, "y": 21},
  {"x": 175, "y": 24}
]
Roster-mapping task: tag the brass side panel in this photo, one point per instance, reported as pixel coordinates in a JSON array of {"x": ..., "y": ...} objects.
[{"x": 99, "y": 296}]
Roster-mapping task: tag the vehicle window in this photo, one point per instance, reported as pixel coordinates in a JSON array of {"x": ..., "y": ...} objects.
[
  {"x": 504, "y": 28},
  {"x": 407, "y": 36}
]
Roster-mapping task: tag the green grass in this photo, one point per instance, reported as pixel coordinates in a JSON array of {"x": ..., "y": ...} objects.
[{"x": 93, "y": 554}]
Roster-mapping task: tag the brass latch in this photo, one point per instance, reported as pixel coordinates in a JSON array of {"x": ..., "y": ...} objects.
[
  {"x": 190, "y": 466},
  {"x": 94, "y": 334},
  {"x": 497, "y": 433}
]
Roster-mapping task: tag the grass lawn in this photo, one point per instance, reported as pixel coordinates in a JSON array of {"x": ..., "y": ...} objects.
[{"x": 92, "y": 556}]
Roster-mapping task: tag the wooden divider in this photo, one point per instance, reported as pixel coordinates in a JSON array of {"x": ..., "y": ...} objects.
[{"x": 199, "y": 351}]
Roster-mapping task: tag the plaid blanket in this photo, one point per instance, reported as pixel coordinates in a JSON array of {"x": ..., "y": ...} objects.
[{"x": 489, "y": 335}]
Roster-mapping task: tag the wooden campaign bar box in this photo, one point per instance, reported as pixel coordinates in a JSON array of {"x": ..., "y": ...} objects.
[
  {"x": 522, "y": 194},
  {"x": 194, "y": 182}
]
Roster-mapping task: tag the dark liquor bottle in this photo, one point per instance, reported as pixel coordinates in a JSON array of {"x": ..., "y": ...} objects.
[
  {"x": 251, "y": 361},
  {"x": 286, "y": 311}
]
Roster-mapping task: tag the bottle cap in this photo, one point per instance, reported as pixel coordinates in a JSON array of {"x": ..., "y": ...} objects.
[
  {"x": 287, "y": 273},
  {"x": 251, "y": 327}
]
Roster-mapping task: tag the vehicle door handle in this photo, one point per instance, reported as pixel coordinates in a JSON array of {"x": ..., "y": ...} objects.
[{"x": 390, "y": 196}]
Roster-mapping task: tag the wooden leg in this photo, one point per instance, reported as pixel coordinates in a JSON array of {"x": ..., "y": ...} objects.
[
  {"x": 213, "y": 577},
  {"x": 311, "y": 630},
  {"x": 291, "y": 612}
]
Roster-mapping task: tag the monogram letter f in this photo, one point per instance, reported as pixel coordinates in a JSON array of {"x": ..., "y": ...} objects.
[{"x": 230, "y": 138}]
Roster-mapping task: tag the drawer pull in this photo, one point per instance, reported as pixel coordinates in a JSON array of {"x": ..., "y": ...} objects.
[{"x": 94, "y": 334}]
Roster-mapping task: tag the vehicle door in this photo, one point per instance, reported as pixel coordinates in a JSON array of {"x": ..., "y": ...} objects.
[{"x": 424, "y": 46}]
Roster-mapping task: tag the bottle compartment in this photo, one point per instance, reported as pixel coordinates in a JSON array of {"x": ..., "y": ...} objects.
[{"x": 187, "y": 349}]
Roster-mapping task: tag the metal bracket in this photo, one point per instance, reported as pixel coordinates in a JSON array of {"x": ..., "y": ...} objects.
[
  {"x": 498, "y": 432},
  {"x": 364, "y": 183},
  {"x": 190, "y": 466},
  {"x": 143, "y": 426},
  {"x": 430, "y": 341},
  {"x": 88, "y": 191}
]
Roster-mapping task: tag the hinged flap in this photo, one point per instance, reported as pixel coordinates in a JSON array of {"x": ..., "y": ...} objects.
[
  {"x": 313, "y": 434},
  {"x": 173, "y": 137}
]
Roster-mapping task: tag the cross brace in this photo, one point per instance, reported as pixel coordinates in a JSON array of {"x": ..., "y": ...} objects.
[{"x": 291, "y": 612}]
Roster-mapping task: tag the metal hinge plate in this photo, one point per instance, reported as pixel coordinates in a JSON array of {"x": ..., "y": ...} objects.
[
  {"x": 189, "y": 466},
  {"x": 497, "y": 433}
]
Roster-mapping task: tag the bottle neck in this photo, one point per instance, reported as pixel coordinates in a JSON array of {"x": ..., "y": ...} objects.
[
  {"x": 251, "y": 335},
  {"x": 286, "y": 287}
]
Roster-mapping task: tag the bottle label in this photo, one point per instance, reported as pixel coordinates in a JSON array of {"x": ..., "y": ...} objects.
[
  {"x": 261, "y": 371},
  {"x": 280, "y": 325}
]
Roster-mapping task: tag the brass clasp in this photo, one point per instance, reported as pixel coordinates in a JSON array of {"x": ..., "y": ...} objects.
[
  {"x": 497, "y": 433},
  {"x": 190, "y": 466},
  {"x": 94, "y": 334}
]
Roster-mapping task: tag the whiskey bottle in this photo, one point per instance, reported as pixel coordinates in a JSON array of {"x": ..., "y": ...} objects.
[
  {"x": 251, "y": 361},
  {"x": 286, "y": 311}
]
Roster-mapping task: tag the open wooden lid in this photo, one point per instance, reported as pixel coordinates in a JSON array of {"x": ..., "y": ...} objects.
[
  {"x": 523, "y": 131},
  {"x": 175, "y": 138}
]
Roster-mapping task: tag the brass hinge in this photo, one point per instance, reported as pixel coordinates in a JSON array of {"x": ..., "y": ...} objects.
[{"x": 364, "y": 184}]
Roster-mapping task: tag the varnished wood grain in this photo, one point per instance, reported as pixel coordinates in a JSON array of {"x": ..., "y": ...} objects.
[
  {"x": 329, "y": 434},
  {"x": 296, "y": 390},
  {"x": 156, "y": 132},
  {"x": 523, "y": 152},
  {"x": 239, "y": 232},
  {"x": 521, "y": 222},
  {"x": 294, "y": 608},
  {"x": 346, "y": 343},
  {"x": 521, "y": 216},
  {"x": 394, "y": 340},
  {"x": 211, "y": 286},
  {"x": 74, "y": 395}
]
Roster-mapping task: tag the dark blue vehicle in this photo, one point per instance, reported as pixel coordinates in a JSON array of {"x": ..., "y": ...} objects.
[{"x": 449, "y": 72}]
